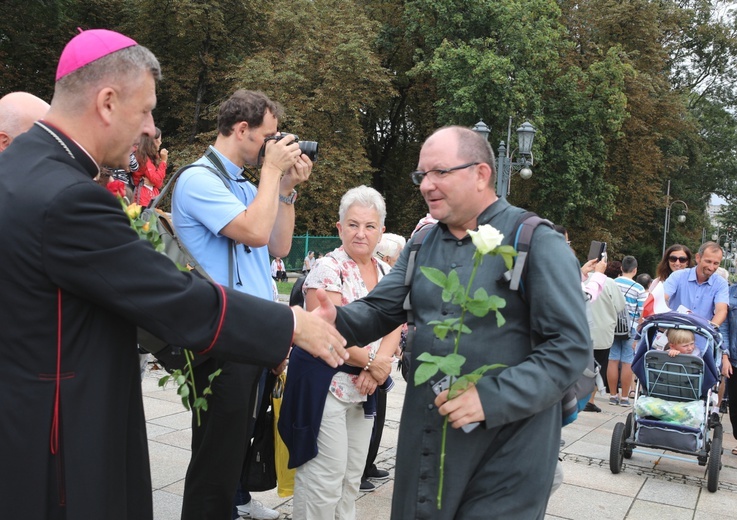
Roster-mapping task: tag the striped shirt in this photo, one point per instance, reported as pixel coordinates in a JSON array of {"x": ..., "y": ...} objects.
[{"x": 634, "y": 297}]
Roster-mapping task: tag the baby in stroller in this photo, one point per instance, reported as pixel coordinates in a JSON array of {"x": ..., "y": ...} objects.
[
  {"x": 681, "y": 341},
  {"x": 675, "y": 402}
]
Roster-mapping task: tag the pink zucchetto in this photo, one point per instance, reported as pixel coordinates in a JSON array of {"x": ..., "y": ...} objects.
[{"x": 89, "y": 46}]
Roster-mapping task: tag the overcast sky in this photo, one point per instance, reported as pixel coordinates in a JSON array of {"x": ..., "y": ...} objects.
[{"x": 715, "y": 200}]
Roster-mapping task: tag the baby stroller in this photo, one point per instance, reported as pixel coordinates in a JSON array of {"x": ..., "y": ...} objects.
[{"x": 673, "y": 407}]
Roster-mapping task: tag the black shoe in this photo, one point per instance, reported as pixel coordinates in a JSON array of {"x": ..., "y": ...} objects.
[
  {"x": 591, "y": 407},
  {"x": 376, "y": 473},
  {"x": 723, "y": 406},
  {"x": 366, "y": 486}
]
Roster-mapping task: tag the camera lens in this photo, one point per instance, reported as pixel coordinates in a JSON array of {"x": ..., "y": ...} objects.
[{"x": 309, "y": 148}]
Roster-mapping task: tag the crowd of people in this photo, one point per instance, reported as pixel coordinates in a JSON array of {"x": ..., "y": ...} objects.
[
  {"x": 76, "y": 278},
  {"x": 687, "y": 283}
]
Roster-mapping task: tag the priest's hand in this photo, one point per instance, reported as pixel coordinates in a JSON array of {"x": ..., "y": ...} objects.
[
  {"x": 317, "y": 337},
  {"x": 463, "y": 409}
]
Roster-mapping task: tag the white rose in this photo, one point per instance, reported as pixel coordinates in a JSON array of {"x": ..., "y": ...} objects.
[{"x": 486, "y": 239}]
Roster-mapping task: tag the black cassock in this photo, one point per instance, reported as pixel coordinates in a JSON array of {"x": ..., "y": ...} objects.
[{"x": 75, "y": 281}]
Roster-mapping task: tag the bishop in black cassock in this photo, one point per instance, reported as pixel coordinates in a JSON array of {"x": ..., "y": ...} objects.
[{"x": 76, "y": 280}]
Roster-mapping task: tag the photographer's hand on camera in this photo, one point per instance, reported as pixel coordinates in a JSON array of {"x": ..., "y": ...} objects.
[
  {"x": 296, "y": 175},
  {"x": 280, "y": 155},
  {"x": 294, "y": 166}
]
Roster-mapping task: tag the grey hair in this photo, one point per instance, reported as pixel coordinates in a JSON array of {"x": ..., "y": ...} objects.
[
  {"x": 123, "y": 65},
  {"x": 390, "y": 245},
  {"x": 365, "y": 197}
]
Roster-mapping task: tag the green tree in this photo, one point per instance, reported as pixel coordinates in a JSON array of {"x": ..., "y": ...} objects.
[
  {"x": 199, "y": 43},
  {"x": 625, "y": 94},
  {"x": 396, "y": 125},
  {"x": 656, "y": 132},
  {"x": 33, "y": 34},
  {"x": 318, "y": 61}
]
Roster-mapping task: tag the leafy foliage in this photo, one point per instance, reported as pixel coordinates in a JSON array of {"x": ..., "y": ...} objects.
[{"x": 625, "y": 94}]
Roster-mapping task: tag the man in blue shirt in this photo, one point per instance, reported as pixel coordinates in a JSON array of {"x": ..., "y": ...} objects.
[
  {"x": 217, "y": 222},
  {"x": 697, "y": 290}
]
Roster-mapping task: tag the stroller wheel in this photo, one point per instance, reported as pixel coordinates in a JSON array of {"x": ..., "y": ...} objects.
[
  {"x": 628, "y": 426},
  {"x": 627, "y": 449},
  {"x": 616, "y": 451},
  {"x": 714, "y": 465},
  {"x": 714, "y": 420}
]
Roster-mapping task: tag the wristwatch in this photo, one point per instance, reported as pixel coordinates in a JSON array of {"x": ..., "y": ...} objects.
[{"x": 289, "y": 199}]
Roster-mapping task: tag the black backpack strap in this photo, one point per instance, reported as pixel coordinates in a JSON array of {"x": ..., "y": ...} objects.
[
  {"x": 417, "y": 241},
  {"x": 170, "y": 185}
]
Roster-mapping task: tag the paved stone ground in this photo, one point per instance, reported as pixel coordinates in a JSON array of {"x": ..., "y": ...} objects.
[{"x": 649, "y": 487}]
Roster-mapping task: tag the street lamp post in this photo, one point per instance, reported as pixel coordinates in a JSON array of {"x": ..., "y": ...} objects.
[
  {"x": 727, "y": 249},
  {"x": 505, "y": 166},
  {"x": 668, "y": 206}
]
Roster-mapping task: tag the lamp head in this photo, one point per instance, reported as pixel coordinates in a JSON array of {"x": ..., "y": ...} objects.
[
  {"x": 525, "y": 173},
  {"x": 482, "y": 128},
  {"x": 681, "y": 218},
  {"x": 526, "y": 134}
]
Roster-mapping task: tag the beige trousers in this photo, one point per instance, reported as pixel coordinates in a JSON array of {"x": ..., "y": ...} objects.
[{"x": 326, "y": 487}]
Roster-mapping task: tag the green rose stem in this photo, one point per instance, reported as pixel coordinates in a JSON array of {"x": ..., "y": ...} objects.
[
  {"x": 487, "y": 241},
  {"x": 477, "y": 259},
  {"x": 189, "y": 357},
  {"x": 185, "y": 380}
]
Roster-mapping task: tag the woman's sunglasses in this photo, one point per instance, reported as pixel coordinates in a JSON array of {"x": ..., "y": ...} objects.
[{"x": 681, "y": 259}]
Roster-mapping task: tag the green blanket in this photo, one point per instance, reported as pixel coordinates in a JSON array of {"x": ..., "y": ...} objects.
[{"x": 689, "y": 413}]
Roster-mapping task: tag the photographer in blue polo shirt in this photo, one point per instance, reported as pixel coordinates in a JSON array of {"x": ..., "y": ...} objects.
[{"x": 245, "y": 224}]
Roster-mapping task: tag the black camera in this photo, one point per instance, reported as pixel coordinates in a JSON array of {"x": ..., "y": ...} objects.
[{"x": 309, "y": 148}]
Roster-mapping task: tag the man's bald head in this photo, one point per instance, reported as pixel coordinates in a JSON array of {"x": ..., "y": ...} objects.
[{"x": 18, "y": 112}]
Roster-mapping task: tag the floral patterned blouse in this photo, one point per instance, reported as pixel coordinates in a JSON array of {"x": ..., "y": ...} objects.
[{"x": 337, "y": 272}]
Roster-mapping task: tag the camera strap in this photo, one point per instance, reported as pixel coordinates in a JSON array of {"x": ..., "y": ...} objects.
[{"x": 211, "y": 156}]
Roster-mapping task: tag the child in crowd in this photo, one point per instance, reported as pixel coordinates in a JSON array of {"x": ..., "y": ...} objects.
[{"x": 681, "y": 341}]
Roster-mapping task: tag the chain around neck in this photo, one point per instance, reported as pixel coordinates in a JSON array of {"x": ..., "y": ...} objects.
[{"x": 56, "y": 137}]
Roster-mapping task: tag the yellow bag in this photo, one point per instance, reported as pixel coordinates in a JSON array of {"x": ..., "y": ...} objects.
[{"x": 284, "y": 475}]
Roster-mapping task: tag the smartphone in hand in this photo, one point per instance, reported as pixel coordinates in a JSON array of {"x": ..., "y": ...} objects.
[{"x": 597, "y": 250}]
